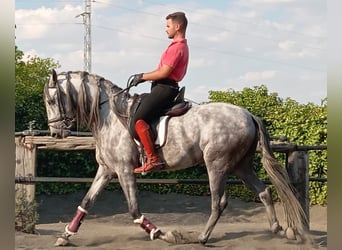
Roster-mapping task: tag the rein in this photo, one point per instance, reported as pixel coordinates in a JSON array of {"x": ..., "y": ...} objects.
[
  {"x": 122, "y": 96},
  {"x": 122, "y": 91},
  {"x": 103, "y": 102},
  {"x": 119, "y": 98},
  {"x": 63, "y": 116}
]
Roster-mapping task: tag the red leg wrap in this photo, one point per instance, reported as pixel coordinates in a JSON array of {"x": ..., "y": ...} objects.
[
  {"x": 147, "y": 226},
  {"x": 76, "y": 222}
]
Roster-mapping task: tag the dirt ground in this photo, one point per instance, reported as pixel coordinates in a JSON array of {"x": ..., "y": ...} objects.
[{"x": 243, "y": 225}]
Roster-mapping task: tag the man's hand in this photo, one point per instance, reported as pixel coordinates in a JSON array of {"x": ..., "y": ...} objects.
[{"x": 137, "y": 78}]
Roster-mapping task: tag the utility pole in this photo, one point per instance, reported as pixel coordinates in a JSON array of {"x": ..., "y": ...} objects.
[{"x": 87, "y": 35}]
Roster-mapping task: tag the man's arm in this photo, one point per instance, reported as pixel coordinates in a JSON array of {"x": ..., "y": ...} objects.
[{"x": 164, "y": 71}]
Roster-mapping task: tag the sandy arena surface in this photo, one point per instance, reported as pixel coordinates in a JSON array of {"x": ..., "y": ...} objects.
[{"x": 243, "y": 225}]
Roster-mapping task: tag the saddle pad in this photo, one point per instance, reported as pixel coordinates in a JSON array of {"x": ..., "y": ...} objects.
[{"x": 161, "y": 131}]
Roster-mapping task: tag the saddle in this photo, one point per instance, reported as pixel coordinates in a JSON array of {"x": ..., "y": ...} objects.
[{"x": 159, "y": 126}]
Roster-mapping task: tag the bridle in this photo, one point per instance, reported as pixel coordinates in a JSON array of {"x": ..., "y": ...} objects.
[{"x": 65, "y": 120}]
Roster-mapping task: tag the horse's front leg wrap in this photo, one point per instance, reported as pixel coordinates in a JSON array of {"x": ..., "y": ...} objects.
[
  {"x": 76, "y": 222},
  {"x": 149, "y": 228}
]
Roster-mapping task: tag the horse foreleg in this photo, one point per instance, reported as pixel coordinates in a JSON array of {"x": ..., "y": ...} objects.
[
  {"x": 100, "y": 181},
  {"x": 72, "y": 227}
]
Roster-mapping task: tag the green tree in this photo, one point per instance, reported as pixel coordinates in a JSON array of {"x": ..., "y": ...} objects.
[
  {"x": 30, "y": 77},
  {"x": 302, "y": 124}
]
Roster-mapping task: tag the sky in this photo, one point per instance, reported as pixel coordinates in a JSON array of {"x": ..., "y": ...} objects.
[{"x": 233, "y": 44}]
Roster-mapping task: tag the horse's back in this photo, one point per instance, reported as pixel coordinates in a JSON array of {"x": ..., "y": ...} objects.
[
  {"x": 220, "y": 117},
  {"x": 210, "y": 130}
]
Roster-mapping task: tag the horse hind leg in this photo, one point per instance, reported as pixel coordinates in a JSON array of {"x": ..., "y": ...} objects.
[
  {"x": 266, "y": 198},
  {"x": 217, "y": 182},
  {"x": 100, "y": 181},
  {"x": 251, "y": 180}
]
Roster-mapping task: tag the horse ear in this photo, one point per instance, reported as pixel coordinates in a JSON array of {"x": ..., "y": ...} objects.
[{"x": 53, "y": 79}]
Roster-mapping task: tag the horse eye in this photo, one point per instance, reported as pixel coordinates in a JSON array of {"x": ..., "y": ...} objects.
[{"x": 51, "y": 101}]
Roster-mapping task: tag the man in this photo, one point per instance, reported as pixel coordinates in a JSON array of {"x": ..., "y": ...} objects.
[{"x": 171, "y": 69}]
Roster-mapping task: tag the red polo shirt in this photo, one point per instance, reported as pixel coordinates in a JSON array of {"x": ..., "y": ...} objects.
[{"x": 176, "y": 56}]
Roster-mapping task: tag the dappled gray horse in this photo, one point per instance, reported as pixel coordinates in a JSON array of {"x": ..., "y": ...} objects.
[{"x": 222, "y": 136}]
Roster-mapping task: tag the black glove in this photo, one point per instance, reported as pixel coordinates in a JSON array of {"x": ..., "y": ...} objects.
[{"x": 137, "y": 78}]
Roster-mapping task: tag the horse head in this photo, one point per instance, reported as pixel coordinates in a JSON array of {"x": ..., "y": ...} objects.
[{"x": 59, "y": 118}]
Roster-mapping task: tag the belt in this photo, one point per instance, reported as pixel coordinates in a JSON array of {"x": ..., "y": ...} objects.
[{"x": 166, "y": 81}]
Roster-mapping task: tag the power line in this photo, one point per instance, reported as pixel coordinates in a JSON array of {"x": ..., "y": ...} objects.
[
  {"x": 232, "y": 53},
  {"x": 248, "y": 22},
  {"x": 87, "y": 40},
  {"x": 59, "y": 23},
  {"x": 194, "y": 45},
  {"x": 220, "y": 28}
]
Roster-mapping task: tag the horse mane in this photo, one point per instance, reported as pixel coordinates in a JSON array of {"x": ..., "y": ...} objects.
[
  {"x": 84, "y": 103},
  {"x": 93, "y": 118},
  {"x": 86, "y": 106}
]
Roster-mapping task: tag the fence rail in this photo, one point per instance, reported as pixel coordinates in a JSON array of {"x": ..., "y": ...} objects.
[
  {"x": 32, "y": 180},
  {"x": 28, "y": 142}
]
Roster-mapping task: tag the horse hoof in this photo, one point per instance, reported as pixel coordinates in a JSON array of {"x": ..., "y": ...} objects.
[
  {"x": 290, "y": 234},
  {"x": 61, "y": 242},
  {"x": 180, "y": 237},
  {"x": 169, "y": 237},
  {"x": 276, "y": 228},
  {"x": 281, "y": 233},
  {"x": 155, "y": 233},
  {"x": 202, "y": 240}
]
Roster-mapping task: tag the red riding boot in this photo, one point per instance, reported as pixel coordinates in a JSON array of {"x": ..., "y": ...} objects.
[{"x": 153, "y": 161}]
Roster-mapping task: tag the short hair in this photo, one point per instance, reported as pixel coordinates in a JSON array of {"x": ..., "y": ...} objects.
[{"x": 180, "y": 18}]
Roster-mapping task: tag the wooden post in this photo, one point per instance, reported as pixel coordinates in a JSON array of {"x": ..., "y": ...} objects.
[
  {"x": 25, "y": 167},
  {"x": 298, "y": 170}
]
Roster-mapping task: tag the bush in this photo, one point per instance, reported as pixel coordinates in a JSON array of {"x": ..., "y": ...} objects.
[
  {"x": 25, "y": 213},
  {"x": 302, "y": 124}
]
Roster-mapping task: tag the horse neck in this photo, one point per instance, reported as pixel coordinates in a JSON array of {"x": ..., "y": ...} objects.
[
  {"x": 94, "y": 98},
  {"x": 121, "y": 103},
  {"x": 82, "y": 96}
]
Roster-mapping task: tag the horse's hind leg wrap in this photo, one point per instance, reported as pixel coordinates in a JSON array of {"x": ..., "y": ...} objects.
[
  {"x": 266, "y": 199},
  {"x": 149, "y": 228},
  {"x": 76, "y": 222}
]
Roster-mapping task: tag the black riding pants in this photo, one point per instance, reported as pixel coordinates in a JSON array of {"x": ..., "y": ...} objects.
[{"x": 161, "y": 96}]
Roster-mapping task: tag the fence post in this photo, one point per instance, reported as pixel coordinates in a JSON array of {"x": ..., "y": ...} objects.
[
  {"x": 298, "y": 170},
  {"x": 25, "y": 167}
]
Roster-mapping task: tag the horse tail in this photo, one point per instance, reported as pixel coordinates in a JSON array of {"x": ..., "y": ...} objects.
[{"x": 294, "y": 214}]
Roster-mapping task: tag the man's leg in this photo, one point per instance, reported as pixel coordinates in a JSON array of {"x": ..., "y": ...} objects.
[{"x": 153, "y": 160}]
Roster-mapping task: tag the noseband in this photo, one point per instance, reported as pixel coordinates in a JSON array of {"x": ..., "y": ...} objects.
[{"x": 64, "y": 118}]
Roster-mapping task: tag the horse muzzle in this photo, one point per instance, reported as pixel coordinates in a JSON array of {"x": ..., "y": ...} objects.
[
  {"x": 59, "y": 133},
  {"x": 60, "y": 128}
]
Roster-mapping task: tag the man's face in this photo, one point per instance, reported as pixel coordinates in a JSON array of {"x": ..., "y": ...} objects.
[{"x": 171, "y": 28}]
